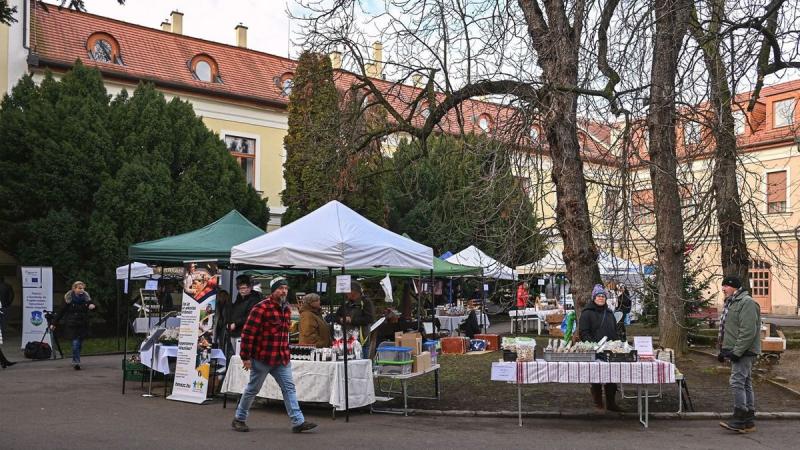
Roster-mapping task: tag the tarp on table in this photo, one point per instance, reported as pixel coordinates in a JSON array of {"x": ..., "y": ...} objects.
[
  {"x": 213, "y": 242},
  {"x": 139, "y": 271},
  {"x": 441, "y": 268},
  {"x": 333, "y": 236},
  {"x": 552, "y": 262},
  {"x": 472, "y": 256}
]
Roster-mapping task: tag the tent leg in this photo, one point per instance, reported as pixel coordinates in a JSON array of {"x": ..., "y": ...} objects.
[{"x": 127, "y": 326}]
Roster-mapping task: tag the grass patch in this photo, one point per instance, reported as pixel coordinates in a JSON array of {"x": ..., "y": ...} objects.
[{"x": 99, "y": 345}]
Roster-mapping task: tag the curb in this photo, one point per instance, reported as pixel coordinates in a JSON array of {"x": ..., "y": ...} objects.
[{"x": 565, "y": 415}]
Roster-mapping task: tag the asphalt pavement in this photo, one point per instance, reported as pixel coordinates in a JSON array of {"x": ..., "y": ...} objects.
[{"x": 47, "y": 405}]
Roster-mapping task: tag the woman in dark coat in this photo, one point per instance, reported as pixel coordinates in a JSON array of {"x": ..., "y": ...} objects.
[
  {"x": 74, "y": 319},
  {"x": 597, "y": 322}
]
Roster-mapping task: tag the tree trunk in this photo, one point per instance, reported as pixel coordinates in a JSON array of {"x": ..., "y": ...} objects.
[
  {"x": 735, "y": 256},
  {"x": 671, "y": 25}
]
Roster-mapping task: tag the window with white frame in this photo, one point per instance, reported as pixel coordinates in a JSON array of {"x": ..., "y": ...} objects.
[
  {"x": 783, "y": 113},
  {"x": 739, "y": 122},
  {"x": 776, "y": 192},
  {"x": 611, "y": 204},
  {"x": 244, "y": 150},
  {"x": 691, "y": 133}
]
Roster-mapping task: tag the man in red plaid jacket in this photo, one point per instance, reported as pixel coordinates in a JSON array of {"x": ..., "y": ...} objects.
[{"x": 265, "y": 351}]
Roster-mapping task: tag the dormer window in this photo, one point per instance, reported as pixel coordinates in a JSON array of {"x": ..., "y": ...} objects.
[
  {"x": 205, "y": 69},
  {"x": 691, "y": 133},
  {"x": 534, "y": 134},
  {"x": 102, "y": 47},
  {"x": 286, "y": 83},
  {"x": 485, "y": 123},
  {"x": 783, "y": 113}
]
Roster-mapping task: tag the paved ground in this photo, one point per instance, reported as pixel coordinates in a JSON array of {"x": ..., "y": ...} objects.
[{"x": 46, "y": 405}]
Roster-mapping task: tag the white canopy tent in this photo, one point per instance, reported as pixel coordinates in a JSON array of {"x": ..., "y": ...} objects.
[
  {"x": 472, "y": 256},
  {"x": 552, "y": 262},
  {"x": 620, "y": 269},
  {"x": 333, "y": 236},
  {"x": 139, "y": 271}
]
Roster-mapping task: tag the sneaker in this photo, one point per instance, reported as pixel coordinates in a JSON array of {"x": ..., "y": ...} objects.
[
  {"x": 305, "y": 426},
  {"x": 239, "y": 425},
  {"x": 77, "y": 367}
]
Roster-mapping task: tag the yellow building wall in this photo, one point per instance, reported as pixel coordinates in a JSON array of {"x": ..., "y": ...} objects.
[{"x": 270, "y": 158}]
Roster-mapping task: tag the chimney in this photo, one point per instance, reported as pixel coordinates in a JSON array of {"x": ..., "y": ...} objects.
[
  {"x": 166, "y": 26},
  {"x": 377, "y": 56},
  {"x": 241, "y": 35},
  {"x": 177, "y": 21},
  {"x": 336, "y": 60}
]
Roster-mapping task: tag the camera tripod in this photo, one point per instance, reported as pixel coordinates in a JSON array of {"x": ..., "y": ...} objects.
[{"x": 53, "y": 338}]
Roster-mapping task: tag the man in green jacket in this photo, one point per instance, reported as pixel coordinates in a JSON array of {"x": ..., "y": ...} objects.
[{"x": 740, "y": 342}]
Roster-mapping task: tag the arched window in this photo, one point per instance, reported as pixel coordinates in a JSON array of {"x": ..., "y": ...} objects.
[
  {"x": 485, "y": 122},
  {"x": 102, "y": 47},
  {"x": 205, "y": 69}
]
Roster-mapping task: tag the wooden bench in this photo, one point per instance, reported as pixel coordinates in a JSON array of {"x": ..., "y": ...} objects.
[{"x": 709, "y": 314}]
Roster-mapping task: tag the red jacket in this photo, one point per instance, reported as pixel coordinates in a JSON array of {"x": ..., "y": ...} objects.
[
  {"x": 522, "y": 296},
  {"x": 265, "y": 335}
]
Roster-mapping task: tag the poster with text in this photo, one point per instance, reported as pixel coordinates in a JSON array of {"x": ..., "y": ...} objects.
[
  {"x": 198, "y": 307},
  {"x": 37, "y": 297}
]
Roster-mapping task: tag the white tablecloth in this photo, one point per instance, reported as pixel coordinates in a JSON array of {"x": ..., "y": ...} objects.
[
  {"x": 321, "y": 382},
  {"x": 530, "y": 312},
  {"x": 642, "y": 372},
  {"x": 451, "y": 323},
  {"x": 164, "y": 352}
]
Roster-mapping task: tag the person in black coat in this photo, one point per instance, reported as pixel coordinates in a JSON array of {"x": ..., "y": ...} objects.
[
  {"x": 73, "y": 318},
  {"x": 236, "y": 312},
  {"x": 597, "y": 322}
]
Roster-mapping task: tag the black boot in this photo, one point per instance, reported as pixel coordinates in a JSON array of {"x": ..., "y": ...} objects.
[
  {"x": 4, "y": 362},
  {"x": 750, "y": 421},
  {"x": 611, "y": 398},
  {"x": 597, "y": 396},
  {"x": 737, "y": 422}
]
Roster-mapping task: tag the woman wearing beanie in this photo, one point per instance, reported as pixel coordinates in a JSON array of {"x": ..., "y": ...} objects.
[
  {"x": 74, "y": 318},
  {"x": 597, "y": 322}
]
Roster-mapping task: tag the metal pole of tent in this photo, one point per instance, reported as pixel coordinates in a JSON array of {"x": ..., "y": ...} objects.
[
  {"x": 433, "y": 302},
  {"x": 116, "y": 284},
  {"x": 483, "y": 304},
  {"x": 419, "y": 302},
  {"x": 346, "y": 381},
  {"x": 225, "y": 337},
  {"x": 127, "y": 326}
]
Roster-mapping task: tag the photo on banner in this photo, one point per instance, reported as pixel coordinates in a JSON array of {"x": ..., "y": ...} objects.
[{"x": 196, "y": 333}]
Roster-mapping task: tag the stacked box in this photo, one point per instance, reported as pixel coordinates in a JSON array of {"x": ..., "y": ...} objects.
[
  {"x": 455, "y": 345},
  {"x": 492, "y": 341}
]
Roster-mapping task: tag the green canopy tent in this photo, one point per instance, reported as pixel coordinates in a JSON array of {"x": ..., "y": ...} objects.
[
  {"x": 441, "y": 268},
  {"x": 211, "y": 243}
]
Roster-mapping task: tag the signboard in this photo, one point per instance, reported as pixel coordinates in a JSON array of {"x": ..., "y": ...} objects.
[
  {"x": 504, "y": 371},
  {"x": 150, "y": 285},
  {"x": 643, "y": 346},
  {"x": 342, "y": 284},
  {"x": 386, "y": 285},
  {"x": 37, "y": 297},
  {"x": 196, "y": 333}
]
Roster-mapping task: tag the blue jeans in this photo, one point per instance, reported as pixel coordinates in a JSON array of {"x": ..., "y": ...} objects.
[
  {"x": 76, "y": 350},
  {"x": 283, "y": 376},
  {"x": 741, "y": 383}
]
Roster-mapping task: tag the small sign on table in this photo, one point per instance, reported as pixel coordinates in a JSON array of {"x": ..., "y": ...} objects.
[
  {"x": 506, "y": 371},
  {"x": 643, "y": 346}
]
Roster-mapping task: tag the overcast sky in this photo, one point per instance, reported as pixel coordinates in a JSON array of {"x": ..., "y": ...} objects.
[{"x": 214, "y": 20}]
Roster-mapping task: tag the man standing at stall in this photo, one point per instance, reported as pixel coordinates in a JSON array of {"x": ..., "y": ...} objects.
[
  {"x": 740, "y": 341},
  {"x": 357, "y": 311},
  {"x": 265, "y": 351},
  {"x": 236, "y": 313}
]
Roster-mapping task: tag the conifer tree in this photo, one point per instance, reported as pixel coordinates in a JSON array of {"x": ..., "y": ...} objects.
[{"x": 313, "y": 137}]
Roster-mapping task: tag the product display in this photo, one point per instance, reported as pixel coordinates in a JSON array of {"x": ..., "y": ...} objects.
[{"x": 524, "y": 348}]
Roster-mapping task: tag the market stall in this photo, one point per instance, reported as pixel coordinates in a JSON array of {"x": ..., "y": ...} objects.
[
  {"x": 209, "y": 244},
  {"x": 333, "y": 237},
  {"x": 315, "y": 381},
  {"x": 490, "y": 268}
]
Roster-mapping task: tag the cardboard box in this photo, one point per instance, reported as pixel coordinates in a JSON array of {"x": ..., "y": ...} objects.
[
  {"x": 422, "y": 362},
  {"x": 413, "y": 341},
  {"x": 455, "y": 345},
  {"x": 492, "y": 341},
  {"x": 773, "y": 344}
]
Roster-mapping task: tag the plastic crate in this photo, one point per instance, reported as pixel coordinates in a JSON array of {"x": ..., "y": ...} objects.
[
  {"x": 393, "y": 369},
  {"x": 570, "y": 357},
  {"x": 393, "y": 354}
]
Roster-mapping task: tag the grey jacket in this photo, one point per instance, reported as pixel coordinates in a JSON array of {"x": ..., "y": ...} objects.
[{"x": 742, "y": 325}]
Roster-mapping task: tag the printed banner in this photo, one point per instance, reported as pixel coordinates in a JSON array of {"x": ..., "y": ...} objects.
[
  {"x": 37, "y": 300},
  {"x": 195, "y": 335}
]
